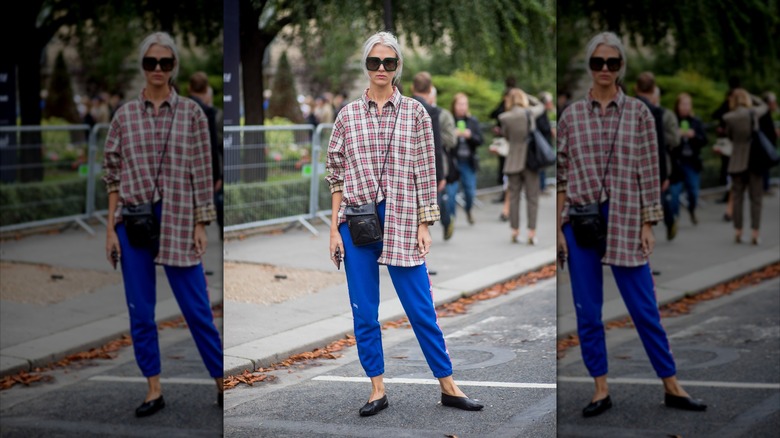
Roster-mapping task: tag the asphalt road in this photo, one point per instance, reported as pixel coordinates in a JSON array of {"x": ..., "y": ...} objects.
[
  {"x": 509, "y": 340},
  {"x": 727, "y": 354},
  {"x": 98, "y": 398}
]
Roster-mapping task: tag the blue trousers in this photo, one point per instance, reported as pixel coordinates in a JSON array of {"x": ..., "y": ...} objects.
[
  {"x": 189, "y": 288},
  {"x": 638, "y": 292},
  {"x": 468, "y": 179},
  {"x": 691, "y": 184},
  {"x": 413, "y": 286}
]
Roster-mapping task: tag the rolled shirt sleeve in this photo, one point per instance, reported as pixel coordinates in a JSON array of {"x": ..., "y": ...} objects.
[
  {"x": 562, "y": 158},
  {"x": 425, "y": 172},
  {"x": 335, "y": 158},
  {"x": 112, "y": 157},
  {"x": 202, "y": 183},
  {"x": 648, "y": 171}
]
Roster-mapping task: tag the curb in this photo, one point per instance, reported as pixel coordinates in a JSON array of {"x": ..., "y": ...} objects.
[
  {"x": 674, "y": 290},
  {"x": 49, "y": 349},
  {"x": 255, "y": 354}
]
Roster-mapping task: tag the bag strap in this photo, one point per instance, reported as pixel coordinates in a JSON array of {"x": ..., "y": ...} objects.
[
  {"x": 389, "y": 143},
  {"x": 165, "y": 149},
  {"x": 609, "y": 158}
]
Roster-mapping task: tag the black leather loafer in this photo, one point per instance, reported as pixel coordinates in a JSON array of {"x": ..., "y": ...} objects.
[
  {"x": 373, "y": 408},
  {"x": 464, "y": 403},
  {"x": 148, "y": 408},
  {"x": 220, "y": 399},
  {"x": 685, "y": 403},
  {"x": 597, "y": 407}
]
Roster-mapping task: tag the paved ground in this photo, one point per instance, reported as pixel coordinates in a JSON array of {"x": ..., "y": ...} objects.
[{"x": 507, "y": 342}]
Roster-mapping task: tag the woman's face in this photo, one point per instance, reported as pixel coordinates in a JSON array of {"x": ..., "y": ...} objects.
[
  {"x": 461, "y": 107},
  {"x": 684, "y": 107},
  {"x": 604, "y": 77},
  {"x": 157, "y": 77},
  {"x": 382, "y": 77}
]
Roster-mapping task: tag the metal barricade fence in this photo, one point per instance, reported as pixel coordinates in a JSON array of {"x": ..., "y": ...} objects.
[
  {"x": 47, "y": 174},
  {"x": 269, "y": 172}
]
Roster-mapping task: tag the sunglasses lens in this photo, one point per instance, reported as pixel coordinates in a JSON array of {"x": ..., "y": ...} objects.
[
  {"x": 373, "y": 63},
  {"x": 149, "y": 64},
  {"x": 596, "y": 64},
  {"x": 391, "y": 64},
  {"x": 613, "y": 64},
  {"x": 166, "y": 64}
]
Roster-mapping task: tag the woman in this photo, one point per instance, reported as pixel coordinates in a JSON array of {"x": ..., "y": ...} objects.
[
  {"x": 385, "y": 130},
  {"x": 692, "y": 140},
  {"x": 628, "y": 201},
  {"x": 740, "y": 121},
  {"x": 158, "y": 151},
  {"x": 514, "y": 126},
  {"x": 469, "y": 137}
]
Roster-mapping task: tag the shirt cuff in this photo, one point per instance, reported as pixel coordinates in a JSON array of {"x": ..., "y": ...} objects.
[
  {"x": 112, "y": 186},
  {"x": 205, "y": 213},
  {"x": 337, "y": 186},
  {"x": 428, "y": 214},
  {"x": 652, "y": 213}
]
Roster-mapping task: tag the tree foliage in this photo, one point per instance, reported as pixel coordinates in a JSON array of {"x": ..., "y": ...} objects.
[
  {"x": 283, "y": 102},
  {"x": 59, "y": 99},
  {"x": 719, "y": 38}
]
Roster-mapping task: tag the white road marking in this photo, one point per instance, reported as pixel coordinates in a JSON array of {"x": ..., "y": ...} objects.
[
  {"x": 436, "y": 382},
  {"x": 698, "y": 328},
  {"x": 467, "y": 331},
  {"x": 708, "y": 383},
  {"x": 179, "y": 380}
]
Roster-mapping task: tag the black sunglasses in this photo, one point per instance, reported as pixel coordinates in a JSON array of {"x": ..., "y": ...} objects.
[
  {"x": 597, "y": 64},
  {"x": 150, "y": 64},
  {"x": 373, "y": 63}
]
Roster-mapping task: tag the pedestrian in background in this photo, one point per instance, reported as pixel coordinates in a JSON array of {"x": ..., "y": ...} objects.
[
  {"x": 158, "y": 153},
  {"x": 469, "y": 137},
  {"x": 383, "y": 123},
  {"x": 687, "y": 154},
  {"x": 544, "y": 127},
  {"x": 448, "y": 143},
  {"x": 608, "y": 159},
  {"x": 740, "y": 121},
  {"x": 767, "y": 125},
  {"x": 522, "y": 111}
]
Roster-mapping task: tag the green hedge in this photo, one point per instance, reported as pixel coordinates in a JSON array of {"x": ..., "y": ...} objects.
[{"x": 29, "y": 202}]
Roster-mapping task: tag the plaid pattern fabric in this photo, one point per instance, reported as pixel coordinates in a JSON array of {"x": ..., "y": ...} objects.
[
  {"x": 133, "y": 149},
  {"x": 632, "y": 184},
  {"x": 356, "y": 153}
]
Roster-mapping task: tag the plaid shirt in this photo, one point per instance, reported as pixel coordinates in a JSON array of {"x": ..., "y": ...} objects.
[
  {"x": 355, "y": 156},
  {"x": 134, "y": 145},
  {"x": 585, "y": 137}
]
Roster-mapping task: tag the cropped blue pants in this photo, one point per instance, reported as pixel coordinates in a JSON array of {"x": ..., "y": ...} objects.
[
  {"x": 413, "y": 286},
  {"x": 638, "y": 291},
  {"x": 189, "y": 288}
]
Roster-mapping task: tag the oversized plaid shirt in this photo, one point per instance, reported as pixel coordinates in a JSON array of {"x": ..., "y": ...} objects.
[
  {"x": 585, "y": 137},
  {"x": 133, "y": 149},
  {"x": 356, "y": 153}
]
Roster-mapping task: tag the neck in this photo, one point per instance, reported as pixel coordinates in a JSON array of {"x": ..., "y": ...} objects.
[
  {"x": 604, "y": 93},
  {"x": 380, "y": 94},
  {"x": 157, "y": 93}
]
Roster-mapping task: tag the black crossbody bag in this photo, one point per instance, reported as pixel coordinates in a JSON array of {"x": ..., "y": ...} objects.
[
  {"x": 363, "y": 220},
  {"x": 141, "y": 224},
  {"x": 587, "y": 223}
]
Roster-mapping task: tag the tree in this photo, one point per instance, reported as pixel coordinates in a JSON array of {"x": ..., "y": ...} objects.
[
  {"x": 59, "y": 99},
  {"x": 39, "y": 20},
  {"x": 494, "y": 38},
  {"x": 283, "y": 101},
  {"x": 718, "y": 38}
]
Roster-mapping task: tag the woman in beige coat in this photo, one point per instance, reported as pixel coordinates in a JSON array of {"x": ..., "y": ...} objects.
[
  {"x": 514, "y": 126},
  {"x": 740, "y": 122}
]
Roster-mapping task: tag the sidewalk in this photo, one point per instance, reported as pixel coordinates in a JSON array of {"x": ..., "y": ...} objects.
[
  {"x": 475, "y": 258},
  {"x": 700, "y": 257},
  {"x": 33, "y": 335}
]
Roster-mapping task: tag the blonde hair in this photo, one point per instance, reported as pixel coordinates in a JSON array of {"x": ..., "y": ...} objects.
[
  {"x": 739, "y": 97},
  {"x": 515, "y": 97},
  {"x": 455, "y": 100}
]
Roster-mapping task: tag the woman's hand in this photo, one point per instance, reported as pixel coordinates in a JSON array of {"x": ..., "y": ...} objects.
[
  {"x": 423, "y": 240},
  {"x": 112, "y": 244},
  {"x": 201, "y": 241},
  {"x": 648, "y": 240},
  {"x": 336, "y": 243},
  {"x": 563, "y": 249}
]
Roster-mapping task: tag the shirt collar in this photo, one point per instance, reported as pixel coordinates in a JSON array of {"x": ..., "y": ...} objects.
[
  {"x": 617, "y": 101},
  {"x": 168, "y": 100},
  {"x": 395, "y": 98}
]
